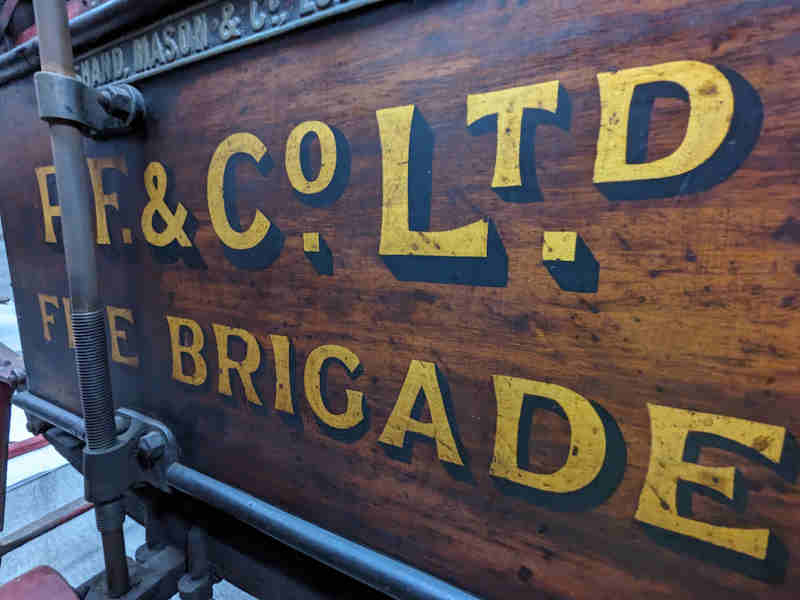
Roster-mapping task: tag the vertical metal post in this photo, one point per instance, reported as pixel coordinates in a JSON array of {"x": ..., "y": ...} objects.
[
  {"x": 5, "y": 425},
  {"x": 12, "y": 373},
  {"x": 88, "y": 316}
]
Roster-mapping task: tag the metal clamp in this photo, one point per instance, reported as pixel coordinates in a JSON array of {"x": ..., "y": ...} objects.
[
  {"x": 114, "y": 110},
  {"x": 154, "y": 576},
  {"x": 12, "y": 368},
  {"x": 141, "y": 454}
]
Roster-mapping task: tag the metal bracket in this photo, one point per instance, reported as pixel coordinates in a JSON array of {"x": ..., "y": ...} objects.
[
  {"x": 155, "y": 576},
  {"x": 12, "y": 368},
  {"x": 114, "y": 110},
  {"x": 198, "y": 582},
  {"x": 141, "y": 454}
]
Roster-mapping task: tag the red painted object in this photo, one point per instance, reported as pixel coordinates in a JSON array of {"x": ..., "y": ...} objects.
[
  {"x": 40, "y": 583},
  {"x": 24, "y": 446},
  {"x": 74, "y": 8}
]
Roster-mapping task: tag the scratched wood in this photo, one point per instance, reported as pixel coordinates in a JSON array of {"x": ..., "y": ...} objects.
[{"x": 696, "y": 306}]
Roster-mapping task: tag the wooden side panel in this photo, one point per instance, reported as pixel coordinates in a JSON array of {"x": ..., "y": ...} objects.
[{"x": 687, "y": 316}]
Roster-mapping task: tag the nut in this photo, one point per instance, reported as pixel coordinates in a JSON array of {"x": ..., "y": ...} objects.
[
  {"x": 150, "y": 449},
  {"x": 36, "y": 425}
]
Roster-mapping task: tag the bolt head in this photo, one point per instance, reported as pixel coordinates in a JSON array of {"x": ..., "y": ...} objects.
[
  {"x": 36, "y": 426},
  {"x": 104, "y": 99},
  {"x": 150, "y": 449},
  {"x": 17, "y": 376}
]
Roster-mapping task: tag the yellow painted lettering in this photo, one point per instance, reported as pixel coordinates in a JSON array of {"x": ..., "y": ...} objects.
[
  {"x": 155, "y": 184},
  {"x": 237, "y": 143},
  {"x": 116, "y": 335},
  {"x": 587, "y": 436},
  {"x": 245, "y": 367},
  {"x": 509, "y": 106},
  {"x": 282, "y": 349},
  {"x": 327, "y": 167},
  {"x": 311, "y": 242},
  {"x": 559, "y": 245},
  {"x": 711, "y": 111},
  {"x": 422, "y": 377},
  {"x": 354, "y": 414},
  {"x": 49, "y": 211},
  {"x": 397, "y": 239},
  {"x": 192, "y": 350},
  {"x": 47, "y": 318},
  {"x": 101, "y": 198},
  {"x": 669, "y": 429}
]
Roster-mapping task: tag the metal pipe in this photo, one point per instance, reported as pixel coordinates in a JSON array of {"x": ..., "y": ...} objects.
[
  {"x": 116, "y": 563},
  {"x": 12, "y": 373},
  {"x": 6, "y": 392},
  {"x": 78, "y": 230},
  {"x": 88, "y": 314},
  {"x": 197, "y": 547},
  {"x": 378, "y": 571},
  {"x": 55, "y": 48},
  {"x": 91, "y": 26},
  {"x": 47, "y": 411}
]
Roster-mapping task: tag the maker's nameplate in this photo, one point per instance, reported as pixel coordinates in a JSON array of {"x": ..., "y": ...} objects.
[{"x": 200, "y": 32}]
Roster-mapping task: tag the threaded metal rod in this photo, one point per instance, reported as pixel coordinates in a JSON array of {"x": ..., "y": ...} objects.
[
  {"x": 88, "y": 314},
  {"x": 78, "y": 230},
  {"x": 93, "y": 378}
]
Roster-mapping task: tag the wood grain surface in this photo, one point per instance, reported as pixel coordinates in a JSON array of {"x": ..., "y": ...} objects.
[{"x": 696, "y": 305}]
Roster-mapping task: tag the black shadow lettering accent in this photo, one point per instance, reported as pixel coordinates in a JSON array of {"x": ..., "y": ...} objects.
[
  {"x": 340, "y": 177},
  {"x": 744, "y": 131},
  {"x": 263, "y": 254},
  {"x": 490, "y": 271},
  {"x": 173, "y": 252},
  {"x": 594, "y": 494},
  {"x": 322, "y": 260},
  {"x": 293, "y": 419},
  {"x": 529, "y": 191},
  {"x": 580, "y": 275},
  {"x": 343, "y": 435},
  {"x": 404, "y": 454},
  {"x": 773, "y": 568}
]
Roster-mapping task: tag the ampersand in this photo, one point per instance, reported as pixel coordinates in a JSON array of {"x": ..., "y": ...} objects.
[
  {"x": 229, "y": 26},
  {"x": 155, "y": 182}
]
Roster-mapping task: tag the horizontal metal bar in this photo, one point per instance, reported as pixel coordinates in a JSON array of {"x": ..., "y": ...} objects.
[
  {"x": 118, "y": 15},
  {"x": 379, "y": 571},
  {"x": 295, "y": 19},
  {"x": 39, "y": 527},
  {"x": 86, "y": 29},
  {"x": 376, "y": 570},
  {"x": 47, "y": 411}
]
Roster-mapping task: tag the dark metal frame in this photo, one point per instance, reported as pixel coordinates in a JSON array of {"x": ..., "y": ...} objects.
[
  {"x": 12, "y": 374},
  {"x": 118, "y": 16},
  {"x": 88, "y": 312},
  {"x": 63, "y": 98},
  {"x": 378, "y": 571},
  {"x": 86, "y": 29}
]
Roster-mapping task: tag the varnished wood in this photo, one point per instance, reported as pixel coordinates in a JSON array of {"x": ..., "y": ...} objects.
[{"x": 696, "y": 306}]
